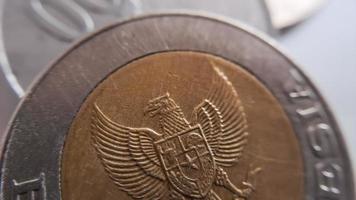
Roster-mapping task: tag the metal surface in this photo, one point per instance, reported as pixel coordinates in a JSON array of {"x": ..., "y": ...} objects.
[
  {"x": 38, "y": 132},
  {"x": 328, "y": 57},
  {"x": 52, "y": 25},
  {"x": 167, "y": 97},
  {"x": 8, "y": 103},
  {"x": 8, "y": 97},
  {"x": 35, "y": 32},
  {"x": 287, "y": 13}
]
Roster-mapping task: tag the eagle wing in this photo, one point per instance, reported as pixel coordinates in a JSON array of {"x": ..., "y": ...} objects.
[
  {"x": 223, "y": 121},
  {"x": 128, "y": 156}
]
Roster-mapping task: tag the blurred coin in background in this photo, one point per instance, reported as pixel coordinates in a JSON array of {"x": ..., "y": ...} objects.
[{"x": 287, "y": 13}]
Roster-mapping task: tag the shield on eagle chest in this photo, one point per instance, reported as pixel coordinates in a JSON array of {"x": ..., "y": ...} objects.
[{"x": 188, "y": 162}]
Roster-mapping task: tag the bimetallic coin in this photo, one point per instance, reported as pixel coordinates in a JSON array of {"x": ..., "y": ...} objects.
[{"x": 174, "y": 106}]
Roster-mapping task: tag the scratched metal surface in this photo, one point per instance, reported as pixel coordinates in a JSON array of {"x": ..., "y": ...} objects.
[
  {"x": 316, "y": 46},
  {"x": 301, "y": 101},
  {"x": 28, "y": 45},
  {"x": 30, "y": 51}
]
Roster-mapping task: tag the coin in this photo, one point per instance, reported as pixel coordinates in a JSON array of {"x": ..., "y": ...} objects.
[
  {"x": 7, "y": 106},
  {"x": 175, "y": 106},
  {"x": 52, "y": 26},
  {"x": 173, "y": 93},
  {"x": 285, "y": 14}
]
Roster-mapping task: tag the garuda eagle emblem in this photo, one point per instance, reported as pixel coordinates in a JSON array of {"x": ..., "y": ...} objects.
[{"x": 185, "y": 159}]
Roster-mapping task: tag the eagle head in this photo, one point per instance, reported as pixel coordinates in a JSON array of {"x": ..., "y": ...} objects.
[{"x": 160, "y": 105}]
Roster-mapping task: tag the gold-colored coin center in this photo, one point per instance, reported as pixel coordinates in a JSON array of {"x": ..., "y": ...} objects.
[{"x": 181, "y": 125}]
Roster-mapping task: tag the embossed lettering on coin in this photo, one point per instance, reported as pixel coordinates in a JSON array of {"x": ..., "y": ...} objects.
[
  {"x": 190, "y": 156},
  {"x": 33, "y": 189}
]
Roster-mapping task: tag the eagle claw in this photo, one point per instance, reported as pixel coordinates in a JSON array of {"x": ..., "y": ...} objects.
[{"x": 222, "y": 179}]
